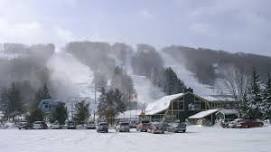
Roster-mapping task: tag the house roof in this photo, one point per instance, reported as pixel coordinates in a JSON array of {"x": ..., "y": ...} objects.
[
  {"x": 161, "y": 104},
  {"x": 228, "y": 111},
  {"x": 203, "y": 114},
  {"x": 214, "y": 98}
]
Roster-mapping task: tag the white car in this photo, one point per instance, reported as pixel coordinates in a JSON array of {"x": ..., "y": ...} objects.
[
  {"x": 56, "y": 125},
  {"x": 123, "y": 127},
  {"x": 91, "y": 125},
  {"x": 39, "y": 125}
]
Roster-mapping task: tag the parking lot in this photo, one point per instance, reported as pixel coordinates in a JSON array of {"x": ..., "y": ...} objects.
[{"x": 203, "y": 139}]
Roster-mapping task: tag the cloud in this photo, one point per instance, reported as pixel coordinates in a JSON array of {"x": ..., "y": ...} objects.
[
  {"x": 33, "y": 32},
  {"x": 231, "y": 25},
  {"x": 146, "y": 14}
]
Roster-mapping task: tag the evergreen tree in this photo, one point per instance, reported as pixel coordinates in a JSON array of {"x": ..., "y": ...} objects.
[
  {"x": 122, "y": 82},
  {"x": 254, "y": 100},
  {"x": 171, "y": 83},
  {"x": 12, "y": 101},
  {"x": 43, "y": 93},
  {"x": 60, "y": 114},
  {"x": 111, "y": 104},
  {"x": 35, "y": 115},
  {"x": 267, "y": 99},
  {"x": 82, "y": 112},
  {"x": 100, "y": 81}
]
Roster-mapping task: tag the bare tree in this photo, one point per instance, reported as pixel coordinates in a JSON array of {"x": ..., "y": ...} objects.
[{"x": 235, "y": 81}]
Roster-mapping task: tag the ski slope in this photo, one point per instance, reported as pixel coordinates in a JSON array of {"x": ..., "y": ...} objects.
[
  {"x": 197, "y": 139},
  {"x": 146, "y": 91},
  {"x": 70, "y": 77},
  {"x": 185, "y": 75}
]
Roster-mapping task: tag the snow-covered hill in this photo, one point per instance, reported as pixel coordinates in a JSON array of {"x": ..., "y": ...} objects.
[
  {"x": 187, "y": 76},
  {"x": 70, "y": 77},
  {"x": 146, "y": 91}
]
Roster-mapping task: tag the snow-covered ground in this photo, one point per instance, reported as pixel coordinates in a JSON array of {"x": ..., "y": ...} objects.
[{"x": 197, "y": 139}]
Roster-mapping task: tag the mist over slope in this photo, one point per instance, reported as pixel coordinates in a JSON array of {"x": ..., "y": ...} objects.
[
  {"x": 73, "y": 71},
  {"x": 208, "y": 65}
]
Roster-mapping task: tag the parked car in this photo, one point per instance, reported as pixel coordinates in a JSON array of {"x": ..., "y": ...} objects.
[
  {"x": 245, "y": 123},
  {"x": 156, "y": 128},
  {"x": 81, "y": 125},
  {"x": 143, "y": 126},
  {"x": 102, "y": 127},
  {"x": 91, "y": 125},
  {"x": 176, "y": 127},
  {"x": 39, "y": 125},
  {"x": 123, "y": 127},
  {"x": 56, "y": 125},
  {"x": 71, "y": 125},
  {"x": 24, "y": 125},
  {"x": 133, "y": 124}
]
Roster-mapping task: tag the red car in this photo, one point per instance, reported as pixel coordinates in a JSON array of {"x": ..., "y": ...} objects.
[
  {"x": 156, "y": 128},
  {"x": 143, "y": 126},
  {"x": 245, "y": 123}
]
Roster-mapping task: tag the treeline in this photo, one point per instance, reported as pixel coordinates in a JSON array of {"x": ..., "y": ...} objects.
[
  {"x": 13, "y": 108},
  {"x": 256, "y": 99},
  {"x": 24, "y": 67},
  {"x": 207, "y": 64},
  {"x": 256, "y": 102}
]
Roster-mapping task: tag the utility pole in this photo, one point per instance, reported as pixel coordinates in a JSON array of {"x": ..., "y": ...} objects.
[
  {"x": 129, "y": 100},
  {"x": 95, "y": 98}
]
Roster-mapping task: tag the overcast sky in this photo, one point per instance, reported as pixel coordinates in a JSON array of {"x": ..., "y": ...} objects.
[{"x": 232, "y": 25}]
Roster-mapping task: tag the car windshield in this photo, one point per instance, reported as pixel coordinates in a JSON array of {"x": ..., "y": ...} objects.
[
  {"x": 174, "y": 124},
  {"x": 145, "y": 122},
  {"x": 124, "y": 124},
  {"x": 103, "y": 124}
]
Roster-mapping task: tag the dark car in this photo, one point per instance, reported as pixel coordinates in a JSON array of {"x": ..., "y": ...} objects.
[
  {"x": 245, "y": 123},
  {"x": 176, "y": 127},
  {"x": 156, "y": 128},
  {"x": 24, "y": 125},
  {"x": 102, "y": 127},
  {"x": 143, "y": 126},
  {"x": 123, "y": 127},
  {"x": 39, "y": 125},
  {"x": 71, "y": 125}
]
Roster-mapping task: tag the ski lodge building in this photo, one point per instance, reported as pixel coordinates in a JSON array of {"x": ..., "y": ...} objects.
[{"x": 181, "y": 106}]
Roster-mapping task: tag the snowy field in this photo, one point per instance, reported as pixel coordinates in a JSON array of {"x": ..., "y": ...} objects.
[{"x": 197, "y": 139}]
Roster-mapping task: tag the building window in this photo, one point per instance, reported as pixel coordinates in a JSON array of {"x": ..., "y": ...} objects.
[
  {"x": 178, "y": 105},
  {"x": 194, "y": 106}
]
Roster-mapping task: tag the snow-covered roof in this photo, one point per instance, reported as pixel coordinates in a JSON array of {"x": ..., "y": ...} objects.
[
  {"x": 218, "y": 98},
  {"x": 129, "y": 114},
  {"x": 229, "y": 111},
  {"x": 203, "y": 114},
  {"x": 161, "y": 104}
]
